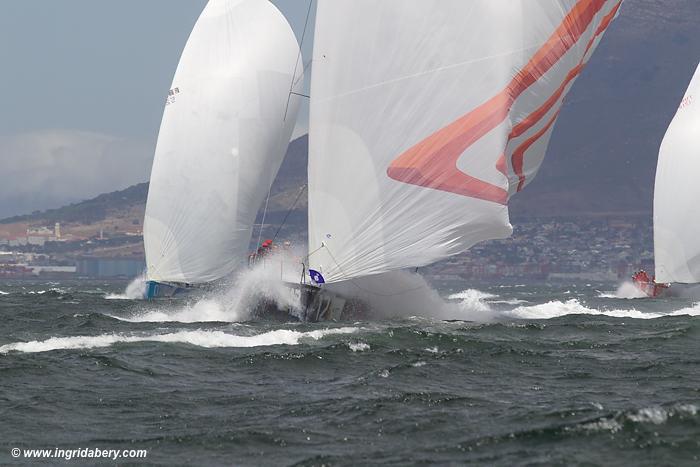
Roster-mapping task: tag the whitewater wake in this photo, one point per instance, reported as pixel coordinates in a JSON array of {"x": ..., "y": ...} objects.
[
  {"x": 200, "y": 338},
  {"x": 557, "y": 309}
]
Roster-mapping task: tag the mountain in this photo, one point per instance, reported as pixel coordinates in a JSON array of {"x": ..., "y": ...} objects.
[
  {"x": 602, "y": 155},
  {"x": 90, "y": 211}
]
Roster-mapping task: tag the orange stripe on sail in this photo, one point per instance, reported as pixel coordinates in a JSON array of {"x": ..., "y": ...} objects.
[
  {"x": 529, "y": 121},
  {"x": 432, "y": 163},
  {"x": 519, "y": 154}
]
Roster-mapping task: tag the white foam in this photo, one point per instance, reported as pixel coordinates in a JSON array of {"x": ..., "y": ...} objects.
[
  {"x": 116, "y": 296},
  {"x": 4, "y": 293},
  {"x": 199, "y": 338},
  {"x": 626, "y": 290},
  {"x": 557, "y": 309},
  {"x": 513, "y": 301},
  {"x": 473, "y": 299},
  {"x": 658, "y": 415},
  {"x": 689, "y": 409},
  {"x": 471, "y": 293},
  {"x": 358, "y": 346},
  {"x": 608, "y": 424},
  {"x": 655, "y": 415}
]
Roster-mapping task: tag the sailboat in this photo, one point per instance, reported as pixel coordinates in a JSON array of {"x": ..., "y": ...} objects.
[
  {"x": 227, "y": 122},
  {"x": 426, "y": 116},
  {"x": 676, "y": 195}
]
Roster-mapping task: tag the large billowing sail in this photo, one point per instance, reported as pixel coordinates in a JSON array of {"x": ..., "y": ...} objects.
[
  {"x": 677, "y": 192},
  {"x": 225, "y": 129},
  {"x": 427, "y": 115}
]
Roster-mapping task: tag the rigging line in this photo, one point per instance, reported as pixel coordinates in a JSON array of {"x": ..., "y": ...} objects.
[
  {"x": 262, "y": 223},
  {"x": 295, "y": 80},
  {"x": 352, "y": 281},
  {"x": 304, "y": 70},
  {"x": 299, "y": 56},
  {"x": 303, "y": 188},
  {"x": 317, "y": 249},
  {"x": 300, "y": 94}
]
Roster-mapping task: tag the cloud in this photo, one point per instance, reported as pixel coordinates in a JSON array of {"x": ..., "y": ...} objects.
[{"x": 50, "y": 168}]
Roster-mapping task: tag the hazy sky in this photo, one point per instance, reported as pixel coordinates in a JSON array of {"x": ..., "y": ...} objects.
[{"x": 83, "y": 85}]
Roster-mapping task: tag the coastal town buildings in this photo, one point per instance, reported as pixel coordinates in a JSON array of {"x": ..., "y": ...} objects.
[{"x": 556, "y": 249}]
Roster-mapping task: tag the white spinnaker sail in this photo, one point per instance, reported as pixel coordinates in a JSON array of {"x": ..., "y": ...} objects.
[
  {"x": 677, "y": 194},
  {"x": 427, "y": 115},
  {"x": 225, "y": 129}
]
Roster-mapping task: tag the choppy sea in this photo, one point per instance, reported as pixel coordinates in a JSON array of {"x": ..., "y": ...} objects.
[{"x": 528, "y": 375}]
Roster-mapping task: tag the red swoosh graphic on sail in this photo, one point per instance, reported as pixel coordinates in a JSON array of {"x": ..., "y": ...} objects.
[
  {"x": 537, "y": 115},
  {"x": 432, "y": 163}
]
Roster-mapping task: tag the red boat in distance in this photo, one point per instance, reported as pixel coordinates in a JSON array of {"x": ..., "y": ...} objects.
[{"x": 647, "y": 284}]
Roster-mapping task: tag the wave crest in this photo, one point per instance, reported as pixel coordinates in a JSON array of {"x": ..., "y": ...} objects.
[
  {"x": 198, "y": 338},
  {"x": 557, "y": 309}
]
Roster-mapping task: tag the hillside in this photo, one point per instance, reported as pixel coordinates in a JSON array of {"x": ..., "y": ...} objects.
[{"x": 89, "y": 211}]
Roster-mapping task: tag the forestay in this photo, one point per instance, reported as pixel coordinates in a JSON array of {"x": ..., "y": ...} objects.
[
  {"x": 427, "y": 115},
  {"x": 676, "y": 194},
  {"x": 225, "y": 129}
]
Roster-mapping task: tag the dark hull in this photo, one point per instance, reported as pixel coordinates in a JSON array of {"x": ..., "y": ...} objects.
[{"x": 316, "y": 305}]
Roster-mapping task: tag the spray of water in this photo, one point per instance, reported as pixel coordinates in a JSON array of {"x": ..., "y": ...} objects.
[
  {"x": 400, "y": 294},
  {"x": 626, "y": 290},
  {"x": 235, "y": 300},
  {"x": 134, "y": 291}
]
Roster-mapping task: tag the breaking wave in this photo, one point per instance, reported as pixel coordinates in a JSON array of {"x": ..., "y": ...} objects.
[
  {"x": 198, "y": 338},
  {"x": 4, "y": 293},
  {"x": 557, "y": 309},
  {"x": 473, "y": 299}
]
